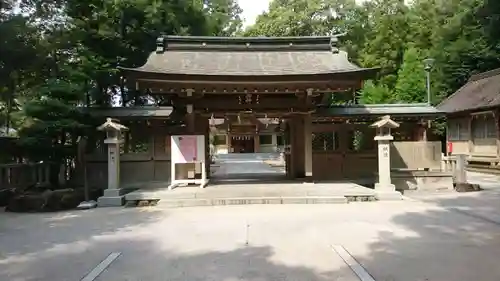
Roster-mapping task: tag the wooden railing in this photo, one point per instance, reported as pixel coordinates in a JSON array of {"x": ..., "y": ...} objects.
[
  {"x": 23, "y": 175},
  {"x": 448, "y": 163}
]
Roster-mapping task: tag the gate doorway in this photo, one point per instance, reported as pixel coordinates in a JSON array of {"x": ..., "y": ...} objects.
[
  {"x": 246, "y": 168},
  {"x": 243, "y": 143}
]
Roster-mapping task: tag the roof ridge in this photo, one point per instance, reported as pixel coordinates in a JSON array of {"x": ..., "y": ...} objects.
[
  {"x": 484, "y": 75},
  {"x": 242, "y": 38},
  {"x": 214, "y": 43},
  {"x": 383, "y": 105}
]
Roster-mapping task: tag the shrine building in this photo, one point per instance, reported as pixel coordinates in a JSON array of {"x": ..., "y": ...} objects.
[{"x": 265, "y": 94}]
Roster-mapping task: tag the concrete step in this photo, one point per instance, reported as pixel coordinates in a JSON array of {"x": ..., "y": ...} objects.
[{"x": 177, "y": 203}]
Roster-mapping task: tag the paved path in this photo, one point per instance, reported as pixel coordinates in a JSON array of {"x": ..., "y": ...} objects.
[
  {"x": 244, "y": 166},
  {"x": 394, "y": 241}
]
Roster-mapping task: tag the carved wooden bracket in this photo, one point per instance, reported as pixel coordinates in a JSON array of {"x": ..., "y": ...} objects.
[{"x": 249, "y": 99}]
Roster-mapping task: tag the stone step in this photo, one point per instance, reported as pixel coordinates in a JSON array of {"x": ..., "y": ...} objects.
[{"x": 177, "y": 203}]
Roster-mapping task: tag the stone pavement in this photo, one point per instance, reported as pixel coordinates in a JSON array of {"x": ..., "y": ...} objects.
[
  {"x": 393, "y": 241},
  {"x": 245, "y": 166},
  {"x": 483, "y": 205},
  {"x": 491, "y": 182},
  {"x": 245, "y": 179}
]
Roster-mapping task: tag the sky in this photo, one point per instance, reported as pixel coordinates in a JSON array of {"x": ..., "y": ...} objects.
[{"x": 252, "y": 8}]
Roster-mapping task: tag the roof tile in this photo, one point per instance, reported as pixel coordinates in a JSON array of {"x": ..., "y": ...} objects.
[
  {"x": 240, "y": 56},
  {"x": 481, "y": 91}
]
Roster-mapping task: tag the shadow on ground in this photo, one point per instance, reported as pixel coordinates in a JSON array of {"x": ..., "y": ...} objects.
[
  {"x": 246, "y": 263},
  {"x": 414, "y": 241},
  {"x": 456, "y": 238},
  {"x": 57, "y": 255}
]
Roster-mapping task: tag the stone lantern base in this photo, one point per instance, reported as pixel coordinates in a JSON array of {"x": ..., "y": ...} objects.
[
  {"x": 387, "y": 192},
  {"x": 112, "y": 198}
]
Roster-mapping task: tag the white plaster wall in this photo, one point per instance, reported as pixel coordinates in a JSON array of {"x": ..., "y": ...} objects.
[
  {"x": 221, "y": 149},
  {"x": 269, "y": 148}
]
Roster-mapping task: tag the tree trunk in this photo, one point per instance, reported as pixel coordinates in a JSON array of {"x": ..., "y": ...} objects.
[{"x": 7, "y": 114}]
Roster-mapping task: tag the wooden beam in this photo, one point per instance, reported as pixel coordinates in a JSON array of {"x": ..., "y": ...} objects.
[
  {"x": 211, "y": 78},
  {"x": 161, "y": 86},
  {"x": 270, "y": 114}
]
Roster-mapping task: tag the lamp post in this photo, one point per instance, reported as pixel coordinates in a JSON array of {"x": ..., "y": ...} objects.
[{"x": 428, "y": 63}]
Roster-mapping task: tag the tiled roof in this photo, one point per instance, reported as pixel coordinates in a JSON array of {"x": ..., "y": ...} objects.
[
  {"x": 138, "y": 111},
  {"x": 242, "y": 56},
  {"x": 380, "y": 110},
  {"x": 481, "y": 91}
]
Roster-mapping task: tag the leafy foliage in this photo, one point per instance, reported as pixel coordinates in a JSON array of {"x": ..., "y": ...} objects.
[
  {"x": 63, "y": 54},
  {"x": 411, "y": 83},
  {"x": 374, "y": 92}
]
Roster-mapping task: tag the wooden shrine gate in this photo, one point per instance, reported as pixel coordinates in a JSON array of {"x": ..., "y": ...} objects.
[{"x": 291, "y": 79}]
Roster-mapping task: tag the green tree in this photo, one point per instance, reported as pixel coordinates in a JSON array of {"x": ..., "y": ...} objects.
[
  {"x": 411, "y": 83},
  {"x": 385, "y": 42},
  {"x": 463, "y": 49},
  {"x": 303, "y": 18},
  {"x": 65, "y": 53},
  {"x": 20, "y": 45},
  {"x": 315, "y": 18},
  {"x": 224, "y": 17},
  {"x": 53, "y": 121},
  {"x": 373, "y": 93}
]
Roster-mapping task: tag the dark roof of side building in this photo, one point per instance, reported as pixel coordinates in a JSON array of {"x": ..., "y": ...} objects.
[
  {"x": 407, "y": 110},
  {"x": 249, "y": 56},
  {"x": 482, "y": 91}
]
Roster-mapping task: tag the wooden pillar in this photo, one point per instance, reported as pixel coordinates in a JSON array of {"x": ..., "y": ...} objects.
[
  {"x": 228, "y": 141},
  {"x": 308, "y": 147},
  {"x": 190, "y": 119},
  {"x": 202, "y": 127},
  {"x": 287, "y": 149},
  {"x": 471, "y": 136},
  {"x": 190, "y": 116},
  {"x": 420, "y": 131},
  {"x": 256, "y": 143},
  {"x": 298, "y": 147},
  {"x": 496, "y": 115}
]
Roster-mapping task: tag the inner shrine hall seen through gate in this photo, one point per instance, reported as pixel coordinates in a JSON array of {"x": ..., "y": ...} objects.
[{"x": 291, "y": 94}]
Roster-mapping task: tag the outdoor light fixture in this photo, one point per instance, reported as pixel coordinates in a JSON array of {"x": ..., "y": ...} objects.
[{"x": 428, "y": 64}]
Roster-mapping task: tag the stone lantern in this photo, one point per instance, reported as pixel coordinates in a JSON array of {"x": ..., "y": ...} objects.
[
  {"x": 113, "y": 195},
  {"x": 384, "y": 189}
]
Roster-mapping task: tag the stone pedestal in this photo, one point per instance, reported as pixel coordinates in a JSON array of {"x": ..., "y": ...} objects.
[{"x": 112, "y": 198}]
